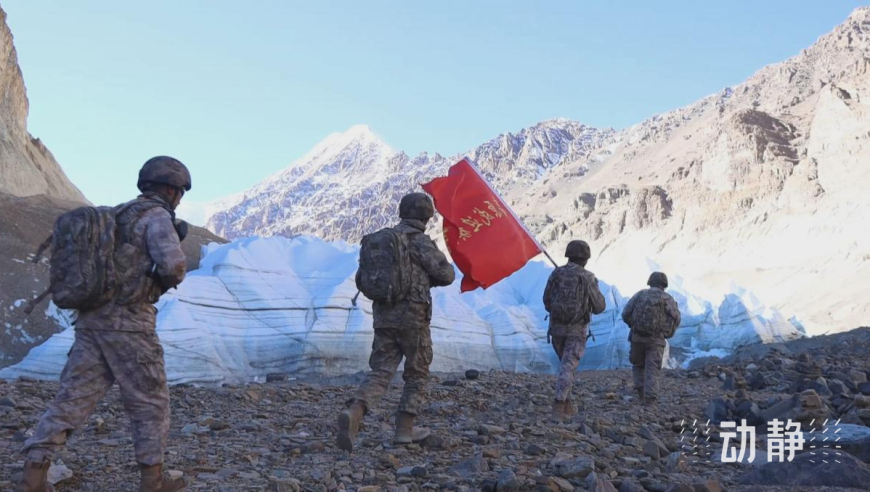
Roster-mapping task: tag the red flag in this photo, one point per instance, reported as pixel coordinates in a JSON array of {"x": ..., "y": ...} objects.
[{"x": 485, "y": 239}]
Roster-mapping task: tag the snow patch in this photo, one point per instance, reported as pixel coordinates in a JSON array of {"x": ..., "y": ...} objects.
[{"x": 698, "y": 354}]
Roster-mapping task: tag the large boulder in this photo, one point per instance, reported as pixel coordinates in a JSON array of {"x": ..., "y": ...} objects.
[
  {"x": 809, "y": 470},
  {"x": 855, "y": 440}
]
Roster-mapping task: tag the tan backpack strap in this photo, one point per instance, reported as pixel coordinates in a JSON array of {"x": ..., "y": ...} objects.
[
  {"x": 41, "y": 249},
  {"x": 33, "y": 302}
]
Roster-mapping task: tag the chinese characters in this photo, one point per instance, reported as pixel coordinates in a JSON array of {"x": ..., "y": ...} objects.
[
  {"x": 481, "y": 217},
  {"x": 747, "y": 437},
  {"x": 783, "y": 440}
]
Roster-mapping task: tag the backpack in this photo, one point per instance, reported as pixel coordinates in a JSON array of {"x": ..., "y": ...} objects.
[
  {"x": 567, "y": 296},
  {"x": 82, "y": 269},
  {"x": 649, "y": 318},
  {"x": 385, "y": 266}
]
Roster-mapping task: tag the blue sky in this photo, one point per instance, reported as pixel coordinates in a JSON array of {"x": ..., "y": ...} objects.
[{"x": 238, "y": 90}]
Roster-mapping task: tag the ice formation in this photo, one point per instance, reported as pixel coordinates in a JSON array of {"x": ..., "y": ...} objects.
[{"x": 277, "y": 305}]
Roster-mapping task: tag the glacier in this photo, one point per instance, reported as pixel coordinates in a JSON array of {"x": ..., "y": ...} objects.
[{"x": 277, "y": 305}]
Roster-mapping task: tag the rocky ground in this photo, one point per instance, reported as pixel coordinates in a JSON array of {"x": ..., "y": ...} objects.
[{"x": 491, "y": 433}]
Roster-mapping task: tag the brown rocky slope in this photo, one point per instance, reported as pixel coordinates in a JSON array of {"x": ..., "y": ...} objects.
[
  {"x": 33, "y": 191},
  {"x": 27, "y": 167},
  {"x": 761, "y": 183}
]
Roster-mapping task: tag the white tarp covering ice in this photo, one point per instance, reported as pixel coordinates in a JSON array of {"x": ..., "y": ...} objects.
[{"x": 277, "y": 305}]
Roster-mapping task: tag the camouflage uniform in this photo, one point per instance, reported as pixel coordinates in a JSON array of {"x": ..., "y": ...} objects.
[
  {"x": 569, "y": 339},
  {"x": 117, "y": 342},
  {"x": 647, "y": 351},
  {"x": 402, "y": 329}
]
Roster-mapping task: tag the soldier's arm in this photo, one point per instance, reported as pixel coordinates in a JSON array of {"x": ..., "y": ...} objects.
[
  {"x": 673, "y": 311},
  {"x": 626, "y": 312},
  {"x": 164, "y": 248},
  {"x": 598, "y": 303},
  {"x": 433, "y": 261}
]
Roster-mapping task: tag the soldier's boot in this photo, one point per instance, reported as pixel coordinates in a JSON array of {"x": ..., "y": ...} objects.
[
  {"x": 35, "y": 477},
  {"x": 152, "y": 480},
  {"x": 348, "y": 425},
  {"x": 560, "y": 411},
  {"x": 650, "y": 401},
  {"x": 406, "y": 433},
  {"x": 569, "y": 409}
]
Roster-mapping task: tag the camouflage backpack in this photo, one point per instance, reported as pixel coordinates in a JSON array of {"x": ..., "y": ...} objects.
[
  {"x": 385, "y": 266},
  {"x": 82, "y": 269},
  {"x": 649, "y": 317},
  {"x": 566, "y": 295}
]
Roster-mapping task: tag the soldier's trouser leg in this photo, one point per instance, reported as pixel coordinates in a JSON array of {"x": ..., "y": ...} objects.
[
  {"x": 417, "y": 346},
  {"x": 570, "y": 350},
  {"x": 85, "y": 379},
  {"x": 385, "y": 359},
  {"x": 652, "y": 369},
  {"x": 637, "y": 358},
  {"x": 137, "y": 362}
]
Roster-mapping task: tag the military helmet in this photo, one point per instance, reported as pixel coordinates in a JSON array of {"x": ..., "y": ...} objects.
[
  {"x": 578, "y": 249},
  {"x": 658, "y": 279},
  {"x": 164, "y": 170},
  {"x": 416, "y": 206}
]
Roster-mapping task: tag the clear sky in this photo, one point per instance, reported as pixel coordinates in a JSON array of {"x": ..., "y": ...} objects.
[{"x": 238, "y": 90}]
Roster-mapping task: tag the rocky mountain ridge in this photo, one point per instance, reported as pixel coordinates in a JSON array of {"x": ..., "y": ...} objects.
[
  {"x": 349, "y": 183},
  {"x": 759, "y": 184}
]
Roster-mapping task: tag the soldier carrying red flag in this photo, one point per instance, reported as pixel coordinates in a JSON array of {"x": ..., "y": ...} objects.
[{"x": 488, "y": 243}]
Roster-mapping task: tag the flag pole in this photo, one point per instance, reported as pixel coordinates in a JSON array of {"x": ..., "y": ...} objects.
[{"x": 520, "y": 222}]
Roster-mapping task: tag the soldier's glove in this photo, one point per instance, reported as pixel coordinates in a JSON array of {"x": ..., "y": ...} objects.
[
  {"x": 181, "y": 228},
  {"x": 152, "y": 272}
]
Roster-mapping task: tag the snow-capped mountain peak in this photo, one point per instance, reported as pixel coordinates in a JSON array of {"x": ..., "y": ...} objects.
[
  {"x": 357, "y": 169},
  {"x": 344, "y": 151},
  {"x": 357, "y": 137}
]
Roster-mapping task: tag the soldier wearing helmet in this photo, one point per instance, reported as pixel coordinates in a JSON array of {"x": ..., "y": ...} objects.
[
  {"x": 653, "y": 316},
  {"x": 165, "y": 176},
  {"x": 402, "y": 329},
  {"x": 571, "y": 297},
  {"x": 117, "y": 341}
]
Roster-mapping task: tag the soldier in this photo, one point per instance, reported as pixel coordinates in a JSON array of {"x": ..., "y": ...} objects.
[
  {"x": 117, "y": 341},
  {"x": 401, "y": 329},
  {"x": 571, "y": 297},
  {"x": 653, "y": 316}
]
